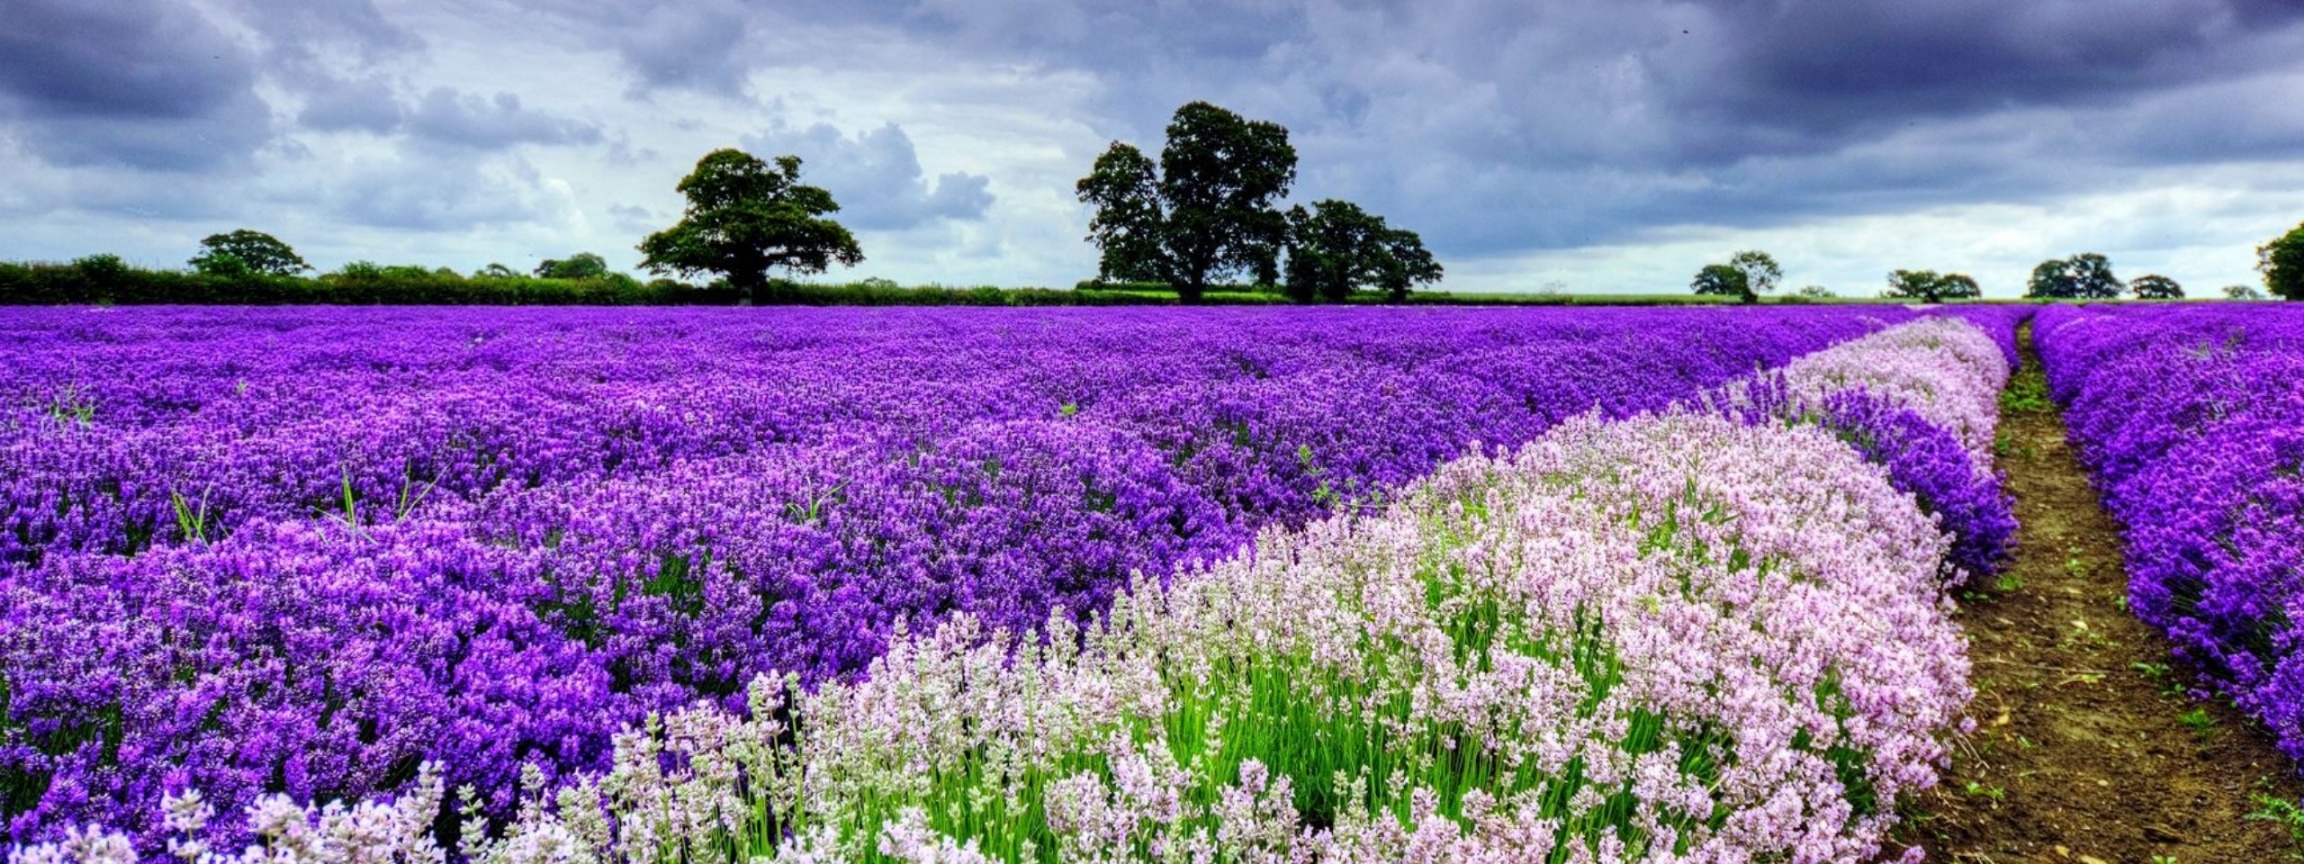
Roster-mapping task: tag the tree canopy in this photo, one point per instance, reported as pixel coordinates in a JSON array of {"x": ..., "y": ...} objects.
[
  {"x": 582, "y": 265},
  {"x": 1929, "y": 286},
  {"x": 2281, "y": 260},
  {"x": 1760, "y": 272},
  {"x": 2086, "y": 276},
  {"x": 2153, "y": 286},
  {"x": 246, "y": 251},
  {"x": 1337, "y": 248},
  {"x": 746, "y": 217},
  {"x": 1722, "y": 279},
  {"x": 1207, "y": 211}
]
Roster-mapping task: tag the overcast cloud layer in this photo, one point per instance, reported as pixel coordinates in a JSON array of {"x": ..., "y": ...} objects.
[{"x": 1584, "y": 145}]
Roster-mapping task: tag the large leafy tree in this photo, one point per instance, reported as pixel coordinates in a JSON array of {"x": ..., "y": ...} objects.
[
  {"x": 246, "y": 251},
  {"x": 1929, "y": 286},
  {"x": 1337, "y": 248},
  {"x": 1760, "y": 272},
  {"x": 1207, "y": 211},
  {"x": 2086, "y": 276},
  {"x": 2281, "y": 260},
  {"x": 2153, "y": 286},
  {"x": 1723, "y": 280},
  {"x": 746, "y": 217}
]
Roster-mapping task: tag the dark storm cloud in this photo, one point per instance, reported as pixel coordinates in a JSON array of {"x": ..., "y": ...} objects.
[
  {"x": 142, "y": 83},
  {"x": 302, "y": 34},
  {"x": 366, "y": 105},
  {"x": 876, "y": 176},
  {"x": 464, "y": 119},
  {"x": 426, "y": 189},
  {"x": 441, "y": 116},
  {"x": 703, "y": 46},
  {"x": 1504, "y": 127},
  {"x": 1812, "y": 75}
]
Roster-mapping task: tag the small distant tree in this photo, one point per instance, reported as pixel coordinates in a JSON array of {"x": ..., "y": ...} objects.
[
  {"x": 2242, "y": 292},
  {"x": 1929, "y": 286},
  {"x": 1207, "y": 211},
  {"x": 2153, "y": 286},
  {"x": 746, "y": 217},
  {"x": 1816, "y": 292},
  {"x": 1336, "y": 248},
  {"x": 495, "y": 270},
  {"x": 1721, "y": 279},
  {"x": 2086, "y": 276},
  {"x": 582, "y": 265},
  {"x": 246, "y": 251},
  {"x": 2281, "y": 260}
]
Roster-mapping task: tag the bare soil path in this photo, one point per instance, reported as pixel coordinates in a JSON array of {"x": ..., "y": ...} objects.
[{"x": 2089, "y": 747}]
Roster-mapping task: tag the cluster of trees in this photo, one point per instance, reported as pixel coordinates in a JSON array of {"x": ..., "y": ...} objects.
[
  {"x": 1929, "y": 286},
  {"x": 1208, "y": 211},
  {"x": 2089, "y": 276},
  {"x": 1746, "y": 276},
  {"x": 2084, "y": 276},
  {"x": 1205, "y": 212}
]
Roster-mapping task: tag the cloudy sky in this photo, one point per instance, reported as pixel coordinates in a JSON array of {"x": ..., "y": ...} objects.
[{"x": 1580, "y": 145}]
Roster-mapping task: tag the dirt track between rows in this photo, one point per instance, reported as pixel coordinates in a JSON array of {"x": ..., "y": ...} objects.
[{"x": 2088, "y": 747}]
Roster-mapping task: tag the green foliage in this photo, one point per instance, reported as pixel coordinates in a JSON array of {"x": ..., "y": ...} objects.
[
  {"x": 1929, "y": 286},
  {"x": 2282, "y": 812},
  {"x": 495, "y": 270},
  {"x": 1337, "y": 248},
  {"x": 2281, "y": 260},
  {"x": 2242, "y": 292},
  {"x": 1760, "y": 271},
  {"x": 357, "y": 283},
  {"x": 1206, "y": 212},
  {"x": 582, "y": 265},
  {"x": 1816, "y": 292},
  {"x": 2086, "y": 276},
  {"x": 359, "y": 268},
  {"x": 246, "y": 251},
  {"x": 746, "y": 217},
  {"x": 1747, "y": 275},
  {"x": 1721, "y": 279},
  {"x": 102, "y": 268},
  {"x": 2153, "y": 286}
]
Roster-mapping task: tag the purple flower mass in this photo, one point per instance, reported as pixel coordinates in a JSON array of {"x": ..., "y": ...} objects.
[
  {"x": 306, "y": 550},
  {"x": 2192, "y": 419}
]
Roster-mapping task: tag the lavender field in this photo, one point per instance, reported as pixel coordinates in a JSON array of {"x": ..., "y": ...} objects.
[
  {"x": 955, "y": 585},
  {"x": 2193, "y": 422}
]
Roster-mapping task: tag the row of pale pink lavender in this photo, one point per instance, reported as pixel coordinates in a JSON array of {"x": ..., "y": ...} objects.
[
  {"x": 1945, "y": 369},
  {"x": 1762, "y": 590},
  {"x": 1921, "y": 401}
]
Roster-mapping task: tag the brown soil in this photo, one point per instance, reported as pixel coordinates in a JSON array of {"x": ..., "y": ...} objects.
[{"x": 2087, "y": 747}]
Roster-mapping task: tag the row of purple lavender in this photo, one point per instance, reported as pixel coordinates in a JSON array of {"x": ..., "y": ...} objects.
[
  {"x": 2192, "y": 420},
  {"x": 1676, "y": 634},
  {"x": 305, "y": 550}
]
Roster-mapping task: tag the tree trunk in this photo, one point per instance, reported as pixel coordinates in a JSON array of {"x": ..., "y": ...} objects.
[{"x": 1188, "y": 293}]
